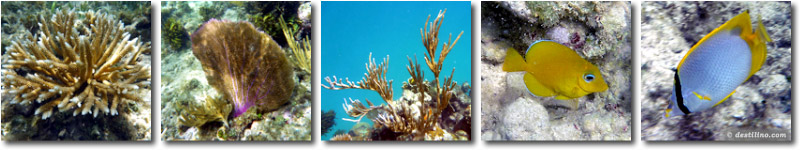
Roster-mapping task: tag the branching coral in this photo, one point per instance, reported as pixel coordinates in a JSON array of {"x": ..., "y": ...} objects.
[
  {"x": 89, "y": 65},
  {"x": 415, "y": 120},
  {"x": 243, "y": 64}
]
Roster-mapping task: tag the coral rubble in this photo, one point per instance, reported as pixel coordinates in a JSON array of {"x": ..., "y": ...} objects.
[
  {"x": 244, "y": 64},
  {"x": 88, "y": 66},
  {"x": 420, "y": 115}
]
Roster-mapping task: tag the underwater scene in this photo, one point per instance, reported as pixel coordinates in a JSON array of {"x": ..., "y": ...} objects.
[
  {"x": 75, "y": 71},
  {"x": 716, "y": 71},
  {"x": 556, "y": 71},
  {"x": 236, "y": 71},
  {"x": 429, "y": 44}
]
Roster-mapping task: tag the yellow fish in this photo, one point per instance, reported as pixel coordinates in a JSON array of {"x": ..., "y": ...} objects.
[
  {"x": 712, "y": 69},
  {"x": 553, "y": 69}
]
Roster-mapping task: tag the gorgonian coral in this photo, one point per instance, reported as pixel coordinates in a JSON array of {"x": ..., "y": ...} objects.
[
  {"x": 84, "y": 61},
  {"x": 244, "y": 64}
]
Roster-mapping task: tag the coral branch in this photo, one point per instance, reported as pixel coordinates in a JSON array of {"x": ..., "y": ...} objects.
[
  {"x": 77, "y": 64},
  {"x": 374, "y": 79}
]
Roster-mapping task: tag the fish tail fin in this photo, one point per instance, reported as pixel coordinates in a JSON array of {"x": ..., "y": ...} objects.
[
  {"x": 514, "y": 61},
  {"x": 758, "y": 49}
]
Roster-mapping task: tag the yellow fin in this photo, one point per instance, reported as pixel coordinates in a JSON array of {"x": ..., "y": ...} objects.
[
  {"x": 756, "y": 40},
  {"x": 666, "y": 112},
  {"x": 701, "y": 97},
  {"x": 758, "y": 46},
  {"x": 514, "y": 61},
  {"x": 726, "y": 98},
  {"x": 536, "y": 87}
]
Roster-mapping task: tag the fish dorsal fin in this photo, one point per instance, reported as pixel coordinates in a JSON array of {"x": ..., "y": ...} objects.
[
  {"x": 514, "y": 61},
  {"x": 741, "y": 21},
  {"x": 536, "y": 87},
  {"x": 758, "y": 46}
]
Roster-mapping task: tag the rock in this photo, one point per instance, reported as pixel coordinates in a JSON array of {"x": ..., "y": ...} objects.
[{"x": 525, "y": 119}]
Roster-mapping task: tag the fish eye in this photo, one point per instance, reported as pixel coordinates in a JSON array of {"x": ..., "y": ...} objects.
[{"x": 588, "y": 77}]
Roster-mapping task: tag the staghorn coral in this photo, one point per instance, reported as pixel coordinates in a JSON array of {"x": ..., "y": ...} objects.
[
  {"x": 416, "y": 119},
  {"x": 89, "y": 65},
  {"x": 244, "y": 64}
]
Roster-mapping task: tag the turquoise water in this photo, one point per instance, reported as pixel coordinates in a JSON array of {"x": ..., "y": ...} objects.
[{"x": 353, "y": 30}]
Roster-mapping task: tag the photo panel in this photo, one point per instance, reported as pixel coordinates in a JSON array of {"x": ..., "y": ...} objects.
[
  {"x": 556, "y": 71},
  {"x": 236, "y": 71},
  {"x": 716, "y": 71},
  {"x": 430, "y": 47},
  {"x": 76, "y": 71}
]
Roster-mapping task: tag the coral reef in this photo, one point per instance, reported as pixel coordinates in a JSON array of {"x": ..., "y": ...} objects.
[
  {"x": 328, "y": 121},
  {"x": 762, "y": 103},
  {"x": 421, "y": 113},
  {"x": 245, "y": 64},
  {"x": 598, "y": 31},
  {"x": 210, "y": 11},
  {"x": 268, "y": 17}
]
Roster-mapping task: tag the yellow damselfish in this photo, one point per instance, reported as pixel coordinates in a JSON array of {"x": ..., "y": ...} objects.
[{"x": 553, "y": 69}]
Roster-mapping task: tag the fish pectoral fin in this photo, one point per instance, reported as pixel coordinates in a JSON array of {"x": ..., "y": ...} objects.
[
  {"x": 536, "y": 87},
  {"x": 701, "y": 97},
  {"x": 573, "y": 103},
  {"x": 726, "y": 98},
  {"x": 567, "y": 102}
]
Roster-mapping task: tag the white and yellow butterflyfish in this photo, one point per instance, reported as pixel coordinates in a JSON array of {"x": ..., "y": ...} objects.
[{"x": 712, "y": 69}]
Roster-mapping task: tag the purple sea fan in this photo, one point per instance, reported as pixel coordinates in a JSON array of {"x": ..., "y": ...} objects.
[{"x": 244, "y": 64}]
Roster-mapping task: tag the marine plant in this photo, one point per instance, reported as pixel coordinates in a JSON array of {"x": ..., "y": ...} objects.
[
  {"x": 83, "y": 62},
  {"x": 409, "y": 121},
  {"x": 174, "y": 34},
  {"x": 244, "y": 64},
  {"x": 328, "y": 120}
]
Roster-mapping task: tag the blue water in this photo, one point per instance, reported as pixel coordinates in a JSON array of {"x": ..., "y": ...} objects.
[{"x": 353, "y": 30}]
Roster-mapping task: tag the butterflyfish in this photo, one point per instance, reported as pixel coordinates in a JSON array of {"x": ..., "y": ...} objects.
[
  {"x": 712, "y": 69},
  {"x": 552, "y": 69}
]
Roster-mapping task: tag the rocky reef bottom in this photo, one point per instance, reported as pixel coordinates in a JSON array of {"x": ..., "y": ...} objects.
[
  {"x": 455, "y": 121},
  {"x": 20, "y": 124}
]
